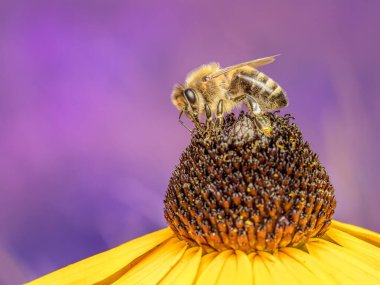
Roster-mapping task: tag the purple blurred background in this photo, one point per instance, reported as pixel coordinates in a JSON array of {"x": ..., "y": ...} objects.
[{"x": 88, "y": 133}]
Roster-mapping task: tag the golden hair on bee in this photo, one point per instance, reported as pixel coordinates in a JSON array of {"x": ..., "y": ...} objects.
[
  {"x": 200, "y": 73},
  {"x": 210, "y": 90}
]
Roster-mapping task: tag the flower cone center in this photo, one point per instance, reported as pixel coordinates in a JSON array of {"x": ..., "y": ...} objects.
[{"x": 240, "y": 189}]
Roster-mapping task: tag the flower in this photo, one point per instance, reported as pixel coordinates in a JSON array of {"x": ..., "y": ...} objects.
[
  {"x": 242, "y": 208},
  {"x": 239, "y": 189},
  {"x": 346, "y": 254}
]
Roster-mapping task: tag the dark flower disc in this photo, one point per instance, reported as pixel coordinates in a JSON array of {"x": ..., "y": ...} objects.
[{"x": 240, "y": 189}]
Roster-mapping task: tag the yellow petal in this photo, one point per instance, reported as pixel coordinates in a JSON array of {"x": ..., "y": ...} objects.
[
  {"x": 211, "y": 273},
  {"x": 278, "y": 272},
  {"x": 111, "y": 263},
  {"x": 251, "y": 256},
  {"x": 313, "y": 265},
  {"x": 237, "y": 269},
  {"x": 244, "y": 274},
  {"x": 228, "y": 273},
  {"x": 186, "y": 269},
  {"x": 205, "y": 262},
  {"x": 156, "y": 264},
  {"x": 261, "y": 275},
  {"x": 343, "y": 262},
  {"x": 369, "y": 252},
  {"x": 358, "y": 232},
  {"x": 297, "y": 270}
]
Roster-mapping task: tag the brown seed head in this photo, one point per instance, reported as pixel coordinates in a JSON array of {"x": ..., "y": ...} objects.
[{"x": 239, "y": 189}]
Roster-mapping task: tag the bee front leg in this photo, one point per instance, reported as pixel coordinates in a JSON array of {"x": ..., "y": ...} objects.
[
  {"x": 261, "y": 122},
  {"x": 183, "y": 123},
  {"x": 219, "y": 115},
  {"x": 208, "y": 116},
  {"x": 193, "y": 118}
]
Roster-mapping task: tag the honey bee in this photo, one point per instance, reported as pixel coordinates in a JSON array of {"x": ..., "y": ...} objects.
[{"x": 211, "y": 90}]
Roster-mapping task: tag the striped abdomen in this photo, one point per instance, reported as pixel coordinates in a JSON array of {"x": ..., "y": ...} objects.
[{"x": 268, "y": 93}]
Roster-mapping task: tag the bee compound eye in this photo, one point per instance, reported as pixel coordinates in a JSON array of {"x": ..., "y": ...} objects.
[{"x": 190, "y": 95}]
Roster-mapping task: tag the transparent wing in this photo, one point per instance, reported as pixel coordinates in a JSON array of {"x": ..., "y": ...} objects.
[{"x": 253, "y": 63}]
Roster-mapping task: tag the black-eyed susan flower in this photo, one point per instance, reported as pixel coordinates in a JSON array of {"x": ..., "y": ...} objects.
[{"x": 242, "y": 208}]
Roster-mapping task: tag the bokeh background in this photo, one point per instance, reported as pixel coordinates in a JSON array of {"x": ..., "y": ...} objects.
[{"x": 88, "y": 135}]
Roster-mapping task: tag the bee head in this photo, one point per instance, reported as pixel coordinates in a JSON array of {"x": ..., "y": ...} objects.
[{"x": 185, "y": 99}]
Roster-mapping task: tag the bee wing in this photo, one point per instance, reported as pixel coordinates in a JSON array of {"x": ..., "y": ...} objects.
[{"x": 253, "y": 63}]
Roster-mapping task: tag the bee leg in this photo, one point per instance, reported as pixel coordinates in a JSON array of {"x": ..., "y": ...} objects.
[
  {"x": 194, "y": 117},
  {"x": 208, "y": 116},
  {"x": 253, "y": 106},
  {"x": 238, "y": 99},
  {"x": 261, "y": 122},
  {"x": 183, "y": 123},
  {"x": 219, "y": 115},
  {"x": 208, "y": 129}
]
